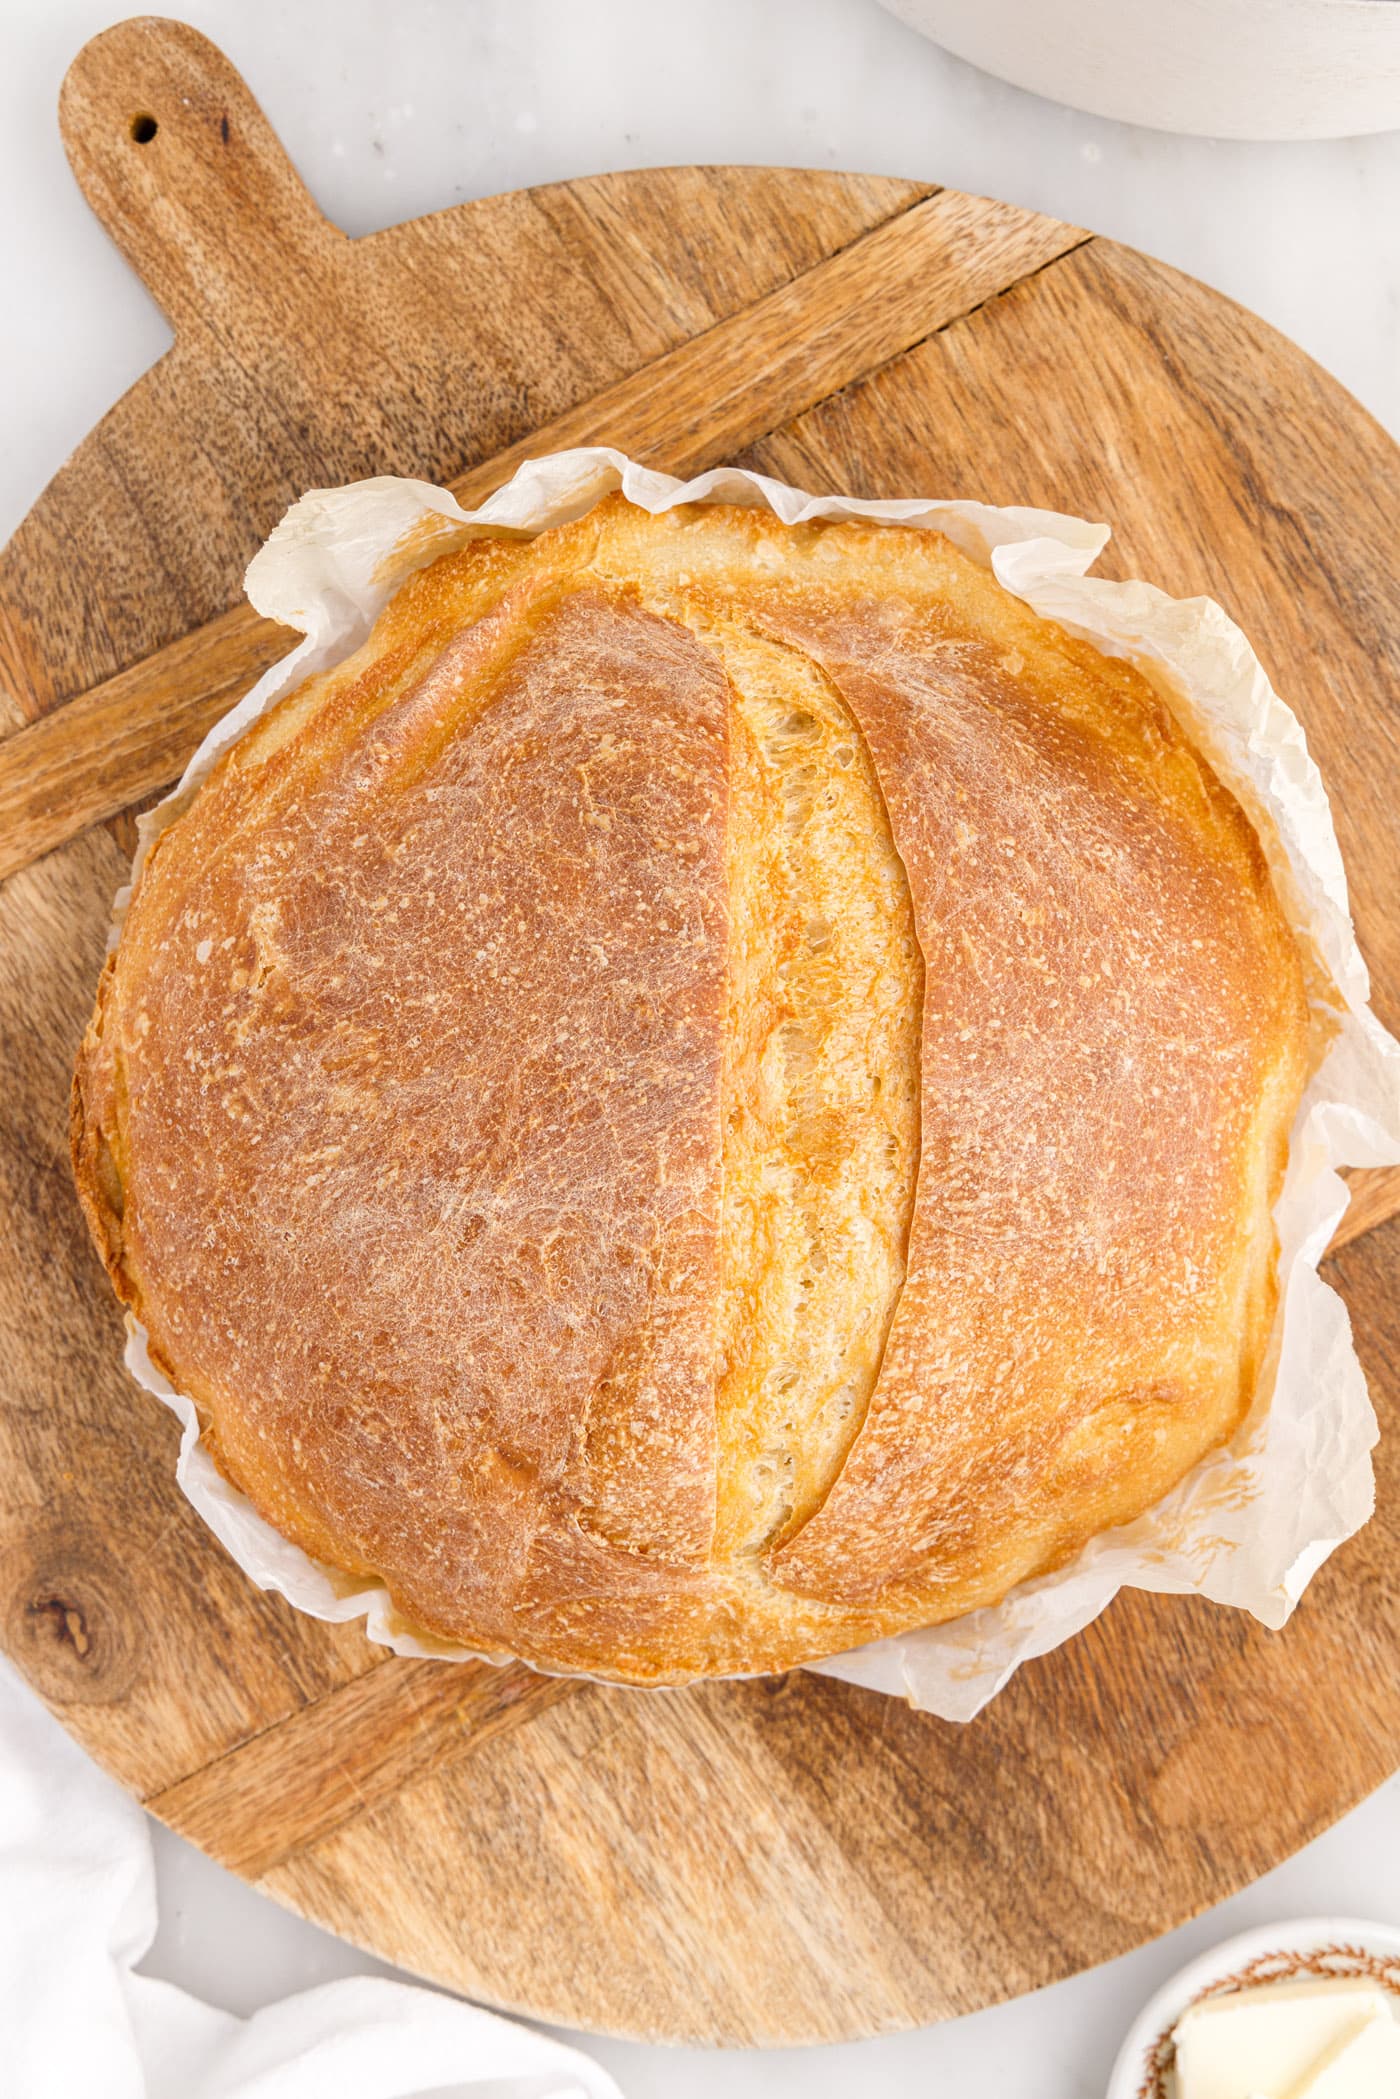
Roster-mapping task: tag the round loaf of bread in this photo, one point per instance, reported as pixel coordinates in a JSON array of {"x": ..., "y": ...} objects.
[{"x": 714, "y": 1093}]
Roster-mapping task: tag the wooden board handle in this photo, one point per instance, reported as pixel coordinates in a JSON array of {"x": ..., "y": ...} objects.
[{"x": 187, "y": 175}]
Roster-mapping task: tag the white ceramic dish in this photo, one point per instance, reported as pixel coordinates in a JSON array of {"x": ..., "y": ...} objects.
[
  {"x": 1305, "y": 1947},
  {"x": 1224, "y": 68}
]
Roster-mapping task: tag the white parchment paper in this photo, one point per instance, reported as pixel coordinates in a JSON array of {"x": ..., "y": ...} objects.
[{"x": 1254, "y": 1521}]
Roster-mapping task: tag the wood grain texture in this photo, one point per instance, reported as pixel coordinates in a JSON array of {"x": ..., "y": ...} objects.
[
  {"x": 129, "y": 736},
  {"x": 292, "y": 1785},
  {"x": 1375, "y": 1197},
  {"x": 777, "y": 1861},
  {"x": 688, "y": 409}
]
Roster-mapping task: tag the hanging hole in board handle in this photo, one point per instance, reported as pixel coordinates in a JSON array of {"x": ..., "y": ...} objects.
[{"x": 143, "y": 127}]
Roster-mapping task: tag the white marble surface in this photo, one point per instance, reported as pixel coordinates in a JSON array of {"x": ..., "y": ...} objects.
[{"x": 394, "y": 110}]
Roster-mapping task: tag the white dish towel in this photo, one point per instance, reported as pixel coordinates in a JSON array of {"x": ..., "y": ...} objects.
[{"x": 78, "y": 1911}]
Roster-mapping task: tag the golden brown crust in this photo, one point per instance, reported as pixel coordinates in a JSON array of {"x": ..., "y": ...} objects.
[
  {"x": 521, "y": 1113},
  {"x": 1111, "y": 998}
]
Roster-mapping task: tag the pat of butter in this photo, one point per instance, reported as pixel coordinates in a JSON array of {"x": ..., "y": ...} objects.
[
  {"x": 1261, "y": 2043},
  {"x": 1363, "y": 2065}
]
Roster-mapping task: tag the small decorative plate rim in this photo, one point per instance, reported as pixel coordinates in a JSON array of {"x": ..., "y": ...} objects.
[{"x": 1135, "y": 2073}]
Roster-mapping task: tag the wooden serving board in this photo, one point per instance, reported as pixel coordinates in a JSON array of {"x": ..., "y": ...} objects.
[{"x": 777, "y": 1861}]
